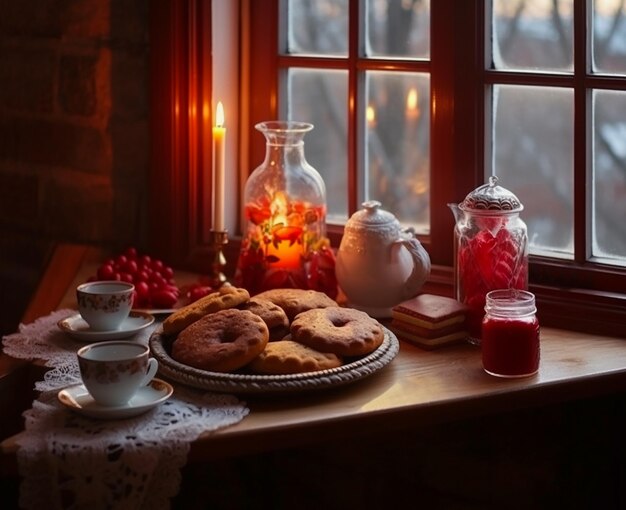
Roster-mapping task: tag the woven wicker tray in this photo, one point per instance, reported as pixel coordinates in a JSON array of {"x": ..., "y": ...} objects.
[{"x": 246, "y": 383}]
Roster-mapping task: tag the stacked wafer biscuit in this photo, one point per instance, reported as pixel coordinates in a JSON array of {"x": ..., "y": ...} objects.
[{"x": 429, "y": 321}]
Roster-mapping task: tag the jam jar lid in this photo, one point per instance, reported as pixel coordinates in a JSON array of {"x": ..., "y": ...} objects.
[{"x": 491, "y": 197}]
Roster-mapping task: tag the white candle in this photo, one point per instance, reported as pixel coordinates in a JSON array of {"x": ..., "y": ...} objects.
[{"x": 219, "y": 145}]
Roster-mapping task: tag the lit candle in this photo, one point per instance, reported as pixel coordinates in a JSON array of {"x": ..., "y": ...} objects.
[
  {"x": 370, "y": 115},
  {"x": 219, "y": 145},
  {"x": 285, "y": 250},
  {"x": 412, "y": 104}
]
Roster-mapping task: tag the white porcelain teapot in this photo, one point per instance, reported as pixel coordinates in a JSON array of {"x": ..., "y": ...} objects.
[{"x": 379, "y": 264}]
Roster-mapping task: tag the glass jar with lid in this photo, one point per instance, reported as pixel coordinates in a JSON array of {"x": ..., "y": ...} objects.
[
  {"x": 491, "y": 248},
  {"x": 510, "y": 334}
]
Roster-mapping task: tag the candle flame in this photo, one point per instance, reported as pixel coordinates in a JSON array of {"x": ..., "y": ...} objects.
[
  {"x": 219, "y": 115},
  {"x": 411, "y": 100},
  {"x": 370, "y": 115}
]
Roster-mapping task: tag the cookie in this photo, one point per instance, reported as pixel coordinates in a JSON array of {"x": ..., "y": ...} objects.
[
  {"x": 430, "y": 312},
  {"x": 273, "y": 315},
  {"x": 288, "y": 357},
  {"x": 223, "y": 341},
  {"x": 430, "y": 321},
  {"x": 295, "y": 301},
  {"x": 226, "y": 297},
  {"x": 342, "y": 331}
]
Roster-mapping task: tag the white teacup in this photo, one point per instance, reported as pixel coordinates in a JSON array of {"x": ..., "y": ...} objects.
[
  {"x": 114, "y": 371},
  {"x": 104, "y": 305}
]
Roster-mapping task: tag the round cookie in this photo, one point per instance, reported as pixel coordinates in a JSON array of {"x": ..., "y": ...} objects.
[
  {"x": 295, "y": 301},
  {"x": 288, "y": 357},
  {"x": 223, "y": 341},
  {"x": 225, "y": 297},
  {"x": 342, "y": 331},
  {"x": 273, "y": 315}
]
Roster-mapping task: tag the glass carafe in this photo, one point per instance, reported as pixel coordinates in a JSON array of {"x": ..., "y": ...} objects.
[
  {"x": 491, "y": 248},
  {"x": 285, "y": 243}
]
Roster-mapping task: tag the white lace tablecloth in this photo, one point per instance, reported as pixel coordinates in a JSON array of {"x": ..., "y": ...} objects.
[{"x": 70, "y": 461}]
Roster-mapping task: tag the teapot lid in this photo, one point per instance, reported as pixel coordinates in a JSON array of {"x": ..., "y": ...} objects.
[
  {"x": 372, "y": 215},
  {"x": 491, "y": 197}
]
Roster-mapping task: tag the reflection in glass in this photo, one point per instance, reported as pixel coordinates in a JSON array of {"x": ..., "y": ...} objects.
[
  {"x": 609, "y": 36},
  {"x": 533, "y": 35},
  {"x": 609, "y": 177},
  {"x": 320, "y": 97},
  {"x": 397, "y": 141},
  {"x": 398, "y": 28},
  {"x": 316, "y": 27},
  {"x": 533, "y": 143}
]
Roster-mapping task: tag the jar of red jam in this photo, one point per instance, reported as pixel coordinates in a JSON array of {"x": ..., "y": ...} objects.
[
  {"x": 491, "y": 249},
  {"x": 510, "y": 334}
]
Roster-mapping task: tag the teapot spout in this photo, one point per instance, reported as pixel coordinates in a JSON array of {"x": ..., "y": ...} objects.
[{"x": 456, "y": 211}]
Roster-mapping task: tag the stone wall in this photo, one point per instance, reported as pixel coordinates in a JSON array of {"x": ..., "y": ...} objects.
[{"x": 74, "y": 133}]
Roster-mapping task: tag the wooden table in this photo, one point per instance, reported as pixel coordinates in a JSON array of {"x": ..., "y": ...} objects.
[{"x": 417, "y": 388}]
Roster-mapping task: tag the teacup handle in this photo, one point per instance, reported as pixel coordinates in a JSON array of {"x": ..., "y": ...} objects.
[{"x": 153, "y": 366}]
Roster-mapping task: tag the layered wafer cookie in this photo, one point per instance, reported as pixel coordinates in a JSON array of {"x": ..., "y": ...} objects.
[{"x": 429, "y": 320}]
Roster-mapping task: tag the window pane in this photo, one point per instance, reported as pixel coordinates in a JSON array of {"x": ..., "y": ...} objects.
[
  {"x": 609, "y": 177},
  {"x": 398, "y": 28},
  {"x": 533, "y": 35},
  {"x": 609, "y": 36},
  {"x": 533, "y": 157},
  {"x": 321, "y": 98},
  {"x": 318, "y": 27},
  {"x": 397, "y": 138}
]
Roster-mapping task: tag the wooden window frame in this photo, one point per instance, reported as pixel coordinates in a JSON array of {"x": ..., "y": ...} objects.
[
  {"x": 574, "y": 294},
  {"x": 180, "y": 179}
]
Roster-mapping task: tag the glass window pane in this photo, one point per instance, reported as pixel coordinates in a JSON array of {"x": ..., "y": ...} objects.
[
  {"x": 609, "y": 177},
  {"x": 315, "y": 27},
  {"x": 533, "y": 138},
  {"x": 397, "y": 142},
  {"x": 609, "y": 36},
  {"x": 321, "y": 98},
  {"x": 397, "y": 28},
  {"x": 533, "y": 35}
]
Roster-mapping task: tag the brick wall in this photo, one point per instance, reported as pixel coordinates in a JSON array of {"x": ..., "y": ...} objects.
[{"x": 74, "y": 139}]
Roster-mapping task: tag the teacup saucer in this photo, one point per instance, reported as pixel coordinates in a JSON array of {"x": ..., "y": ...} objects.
[
  {"x": 78, "y": 399},
  {"x": 79, "y": 329}
]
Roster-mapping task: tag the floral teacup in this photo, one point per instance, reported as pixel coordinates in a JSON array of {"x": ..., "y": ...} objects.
[
  {"x": 104, "y": 305},
  {"x": 113, "y": 371}
]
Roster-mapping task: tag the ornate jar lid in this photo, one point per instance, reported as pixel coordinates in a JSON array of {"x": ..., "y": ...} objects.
[{"x": 491, "y": 198}]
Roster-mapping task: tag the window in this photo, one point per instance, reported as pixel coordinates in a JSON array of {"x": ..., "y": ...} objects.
[{"x": 532, "y": 90}]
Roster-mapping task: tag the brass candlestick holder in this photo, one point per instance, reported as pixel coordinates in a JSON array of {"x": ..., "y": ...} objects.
[{"x": 217, "y": 240}]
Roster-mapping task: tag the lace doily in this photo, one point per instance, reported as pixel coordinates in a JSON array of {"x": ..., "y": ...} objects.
[{"x": 69, "y": 461}]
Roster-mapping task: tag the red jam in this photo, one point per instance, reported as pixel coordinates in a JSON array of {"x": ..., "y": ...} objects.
[
  {"x": 485, "y": 263},
  {"x": 510, "y": 347}
]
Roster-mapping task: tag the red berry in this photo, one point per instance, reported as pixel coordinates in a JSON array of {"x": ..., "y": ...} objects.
[
  {"x": 130, "y": 266},
  {"x": 142, "y": 289},
  {"x": 126, "y": 277},
  {"x": 157, "y": 265},
  {"x": 131, "y": 252},
  {"x": 163, "y": 299},
  {"x": 120, "y": 260},
  {"x": 167, "y": 272},
  {"x": 142, "y": 276},
  {"x": 106, "y": 272},
  {"x": 199, "y": 292}
]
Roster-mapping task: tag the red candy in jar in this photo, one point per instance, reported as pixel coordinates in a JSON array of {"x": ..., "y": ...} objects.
[
  {"x": 510, "y": 334},
  {"x": 491, "y": 249}
]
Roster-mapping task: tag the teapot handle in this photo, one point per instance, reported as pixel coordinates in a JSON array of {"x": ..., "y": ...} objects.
[{"x": 421, "y": 265}]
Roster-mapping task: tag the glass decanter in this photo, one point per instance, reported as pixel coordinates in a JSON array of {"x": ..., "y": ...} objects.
[
  {"x": 285, "y": 243},
  {"x": 491, "y": 248}
]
